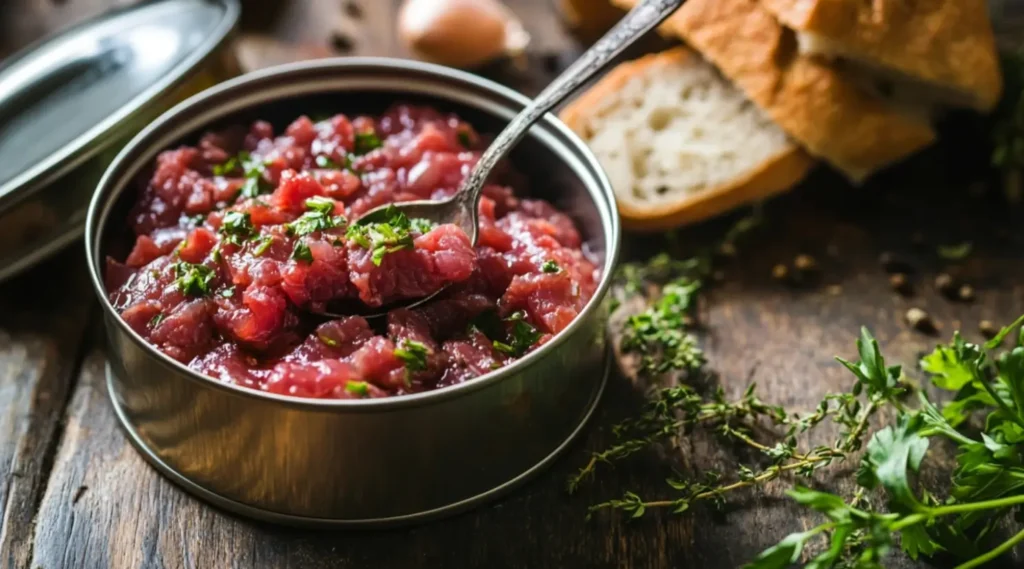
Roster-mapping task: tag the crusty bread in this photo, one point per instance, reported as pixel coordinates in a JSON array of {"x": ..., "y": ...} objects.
[
  {"x": 933, "y": 52},
  {"x": 680, "y": 143},
  {"x": 829, "y": 115}
]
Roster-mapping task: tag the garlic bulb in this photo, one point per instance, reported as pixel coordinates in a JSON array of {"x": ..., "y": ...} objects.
[{"x": 461, "y": 33}]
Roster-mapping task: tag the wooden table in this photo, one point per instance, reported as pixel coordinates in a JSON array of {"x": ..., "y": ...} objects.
[{"x": 75, "y": 494}]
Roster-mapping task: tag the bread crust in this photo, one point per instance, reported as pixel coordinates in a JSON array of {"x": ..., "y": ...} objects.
[
  {"x": 829, "y": 115},
  {"x": 775, "y": 175},
  {"x": 947, "y": 43}
]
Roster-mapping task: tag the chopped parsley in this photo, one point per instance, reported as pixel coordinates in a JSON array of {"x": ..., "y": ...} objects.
[
  {"x": 360, "y": 388},
  {"x": 465, "y": 139},
  {"x": 237, "y": 227},
  {"x": 366, "y": 142},
  {"x": 550, "y": 267},
  {"x": 385, "y": 237},
  {"x": 262, "y": 244},
  {"x": 420, "y": 225},
  {"x": 318, "y": 217},
  {"x": 156, "y": 320},
  {"x": 326, "y": 163},
  {"x": 193, "y": 280},
  {"x": 301, "y": 252},
  {"x": 252, "y": 171},
  {"x": 413, "y": 354},
  {"x": 327, "y": 340},
  {"x": 228, "y": 292},
  {"x": 521, "y": 338}
]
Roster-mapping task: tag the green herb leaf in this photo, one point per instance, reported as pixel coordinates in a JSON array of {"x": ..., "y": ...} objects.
[
  {"x": 891, "y": 453},
  {"x": 228, "y": 292},
  {"x": 384, "y": 237},
  {"x": 318, "y": 217},
  {"x": 237, "y": 227},
  {"x": 465, "y": 138},
  {"x": 326, "y": 163},
  {"x": 413, "y": 354},
  {"x": 156, "y": 320},
  {"x": 956, "y": 252},
  {"x": 360, "y": 388},
  {"x": 522, "y": 336},
  {"x": 193, "y": 280},
  {"x": 301, "y": 252},
  {"x": 262, "y": 244},
  {"x": 550, "y": 267},
  {"x": 366, "y": 142}
]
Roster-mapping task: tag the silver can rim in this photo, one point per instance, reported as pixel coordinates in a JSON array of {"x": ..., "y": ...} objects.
[{"x": 112, "y": 180}]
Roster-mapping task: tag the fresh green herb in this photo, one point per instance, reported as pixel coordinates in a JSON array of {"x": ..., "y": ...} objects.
[
  {"x": 193, "y": 280},
  {"x": 216, "y": 254},
  {"x": 955, "y": 252},
  {"x": 360, "y": 388},
  {"x": 420, "y": 225},
  {"x": 262, "y": 244},
  {"x": 413, "y": 354},
  {"x": 301, "y": 252},
  {"x": 156, "y": 320},
  {"x": 550, "y": 266},
  {"x": 252, "y": 170},
  {"x": 986, "y": 490},
  {"x": 237, "y": 227},
  {"x": 326, "y": 163},
  {"x": 318, "y": 217},
  {"x": 522, "y": 336},
  {"x": 465, "y": 138},
  {"x": 327, "y": 340},
  {"x": 228, "y": 292},
  {"x": 366, "y": 142},
  {"x": 385, "y": 237}
]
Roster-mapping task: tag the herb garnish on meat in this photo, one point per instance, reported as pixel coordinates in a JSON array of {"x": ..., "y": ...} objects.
[
  {"x": 388, "y": 236},
  {"x": 193, "y": 280}
]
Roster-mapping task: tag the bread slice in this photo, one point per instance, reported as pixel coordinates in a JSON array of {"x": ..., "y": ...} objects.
[
  {"x": 938, "y": 53},
  {"x": 680, "y": 143},
  {"x": 833, "y": 118}
]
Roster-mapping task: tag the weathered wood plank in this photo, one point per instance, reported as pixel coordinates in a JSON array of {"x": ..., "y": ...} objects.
[{"x": 42, "y": 319}]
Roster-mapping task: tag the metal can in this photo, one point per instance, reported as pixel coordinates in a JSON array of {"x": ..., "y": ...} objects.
[
  {"x": 360, "y": 462},
  {"x": 70, "y": 102}
]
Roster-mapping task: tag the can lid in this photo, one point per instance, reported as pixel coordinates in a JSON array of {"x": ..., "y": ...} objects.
[{"x": 69, "y": 96}]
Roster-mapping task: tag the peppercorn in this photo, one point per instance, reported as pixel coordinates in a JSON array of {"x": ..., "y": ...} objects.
[
  {"x": 945, "y": 284},
  {"x": 966, "y": 293},
  {"x": 780, "y": 272},
  {"x": 900, "y": 284},
  {"x": 805, "y": 263},
  {"x": 988, "y": 329},
  {"x": 920, "y": 320}
]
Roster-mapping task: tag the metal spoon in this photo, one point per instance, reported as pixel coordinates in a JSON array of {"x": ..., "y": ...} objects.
[{"x": 461, "y": 208}]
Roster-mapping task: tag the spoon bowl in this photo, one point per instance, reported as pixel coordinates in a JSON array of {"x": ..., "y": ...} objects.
[{"x": 461, "y": 208}]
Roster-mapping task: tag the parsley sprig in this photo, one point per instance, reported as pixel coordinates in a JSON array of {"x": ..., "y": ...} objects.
[
  {"x": 521, "y": 336},
  {"x": 237, "y": 227},
  {"x": 986, "y": 489}
]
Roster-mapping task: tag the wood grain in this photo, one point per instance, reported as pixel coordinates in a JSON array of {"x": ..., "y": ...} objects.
[
  {"x": 77, "y": 495},
  {"x": 42, "y": 319}
]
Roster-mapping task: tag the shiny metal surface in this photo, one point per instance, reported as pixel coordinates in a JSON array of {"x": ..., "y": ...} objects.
[
  {"x": 374, "y": 461},
  {"x": 462, "y": 207},
  {"x": 70, "y": 102}
]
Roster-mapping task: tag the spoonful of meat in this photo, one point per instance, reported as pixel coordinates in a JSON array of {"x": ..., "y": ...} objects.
[{"x": 461, "y": 208}]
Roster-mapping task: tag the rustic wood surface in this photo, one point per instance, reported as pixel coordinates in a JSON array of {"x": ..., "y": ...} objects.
[{"x": 75, "y": 494}]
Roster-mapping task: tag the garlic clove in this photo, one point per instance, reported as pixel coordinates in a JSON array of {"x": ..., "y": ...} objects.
[{"x": 461, "y": 33}]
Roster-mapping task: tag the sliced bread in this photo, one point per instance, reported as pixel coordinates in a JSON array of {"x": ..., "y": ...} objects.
[
  {"x": 939, "y": 53},
  {"x": 680, "y": 143},
  {"x": 831, "y": 116}
]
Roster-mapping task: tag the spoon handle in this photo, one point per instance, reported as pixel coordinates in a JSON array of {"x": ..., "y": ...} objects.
[{"x": 641, "y": 19}]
